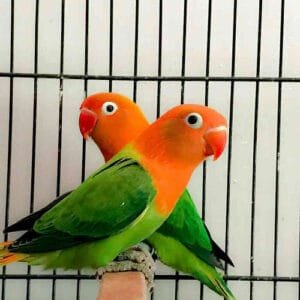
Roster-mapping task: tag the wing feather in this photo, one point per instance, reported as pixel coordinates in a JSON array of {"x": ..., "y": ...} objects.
[{"x": 108, "y": 201}]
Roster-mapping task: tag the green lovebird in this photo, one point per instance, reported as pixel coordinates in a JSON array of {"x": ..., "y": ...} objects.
[{"x": 183, "y": 241}]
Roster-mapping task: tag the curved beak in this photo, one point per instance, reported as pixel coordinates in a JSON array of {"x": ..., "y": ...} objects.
[
  {"x": 87, "y": 122},
  {"x": 215, "y": 141}
]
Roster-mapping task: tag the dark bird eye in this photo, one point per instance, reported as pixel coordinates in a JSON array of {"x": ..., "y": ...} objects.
[
  {"x": 194, "y": 120},
  {"x": 109, "y": 108}
]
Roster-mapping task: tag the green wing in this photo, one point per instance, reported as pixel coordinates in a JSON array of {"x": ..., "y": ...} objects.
[
  {"x": 186, "y": 226},
  {"x": 107, "y": 202}
]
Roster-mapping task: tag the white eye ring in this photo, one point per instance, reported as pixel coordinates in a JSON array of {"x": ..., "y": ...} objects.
[
  {"x": 109, "y": 108},
  {"x": 194, "y": 120}
]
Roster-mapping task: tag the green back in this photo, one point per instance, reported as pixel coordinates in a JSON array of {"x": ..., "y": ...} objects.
[{"x": 105, "y": 204}]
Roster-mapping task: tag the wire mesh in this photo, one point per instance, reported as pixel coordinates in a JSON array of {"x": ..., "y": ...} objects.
[{"x": 133, "y": 82}]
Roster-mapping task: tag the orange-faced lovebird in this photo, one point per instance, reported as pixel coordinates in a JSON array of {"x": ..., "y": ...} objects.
[
  {"x": 127, "y": 199},
  {"x": 183, "y": 242}
]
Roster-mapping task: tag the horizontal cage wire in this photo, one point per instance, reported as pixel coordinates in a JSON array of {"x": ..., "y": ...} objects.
[{"x": 240, "y": 57}]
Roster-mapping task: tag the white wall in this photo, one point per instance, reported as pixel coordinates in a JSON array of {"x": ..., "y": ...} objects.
[{"x": 219, "y": 96}]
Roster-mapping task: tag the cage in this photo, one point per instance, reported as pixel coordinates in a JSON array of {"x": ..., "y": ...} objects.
[{"x": 237, "y": 56}]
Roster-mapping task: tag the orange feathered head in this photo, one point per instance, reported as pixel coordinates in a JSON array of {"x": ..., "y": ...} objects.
[
  {"x": 112, "y": 120},
  {"x": 187, "y": 133}
]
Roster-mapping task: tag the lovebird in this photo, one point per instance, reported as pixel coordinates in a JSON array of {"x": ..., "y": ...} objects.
[
  {"x": 183, "y": 241},
  {"x": 127, "y": 199}
]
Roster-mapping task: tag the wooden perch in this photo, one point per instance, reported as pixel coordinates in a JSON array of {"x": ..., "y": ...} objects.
[{"x": 123, "y": 286}]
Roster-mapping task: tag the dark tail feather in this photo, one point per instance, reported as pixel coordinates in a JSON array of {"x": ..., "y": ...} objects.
[
  {"x": 28, "y": 222},
  {"x": 221, "y": 254}
]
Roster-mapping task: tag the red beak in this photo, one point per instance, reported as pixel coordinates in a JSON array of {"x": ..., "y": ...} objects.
[
  {"x": 216, "y": 141},
  {"x": 87, "y": 122}
]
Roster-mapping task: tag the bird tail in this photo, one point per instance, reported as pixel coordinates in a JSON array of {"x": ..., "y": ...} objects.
[
  {"x": 221, "y": 287},
  {"x": 213, "y": 279},
  {"x": 182, "y": 259},
  {"x": 7, "y": 257}
]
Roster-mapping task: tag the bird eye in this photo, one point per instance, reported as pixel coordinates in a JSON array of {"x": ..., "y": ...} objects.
[
  {"x": 109, "y": 108},
  {"x": 194, "y": 120}
]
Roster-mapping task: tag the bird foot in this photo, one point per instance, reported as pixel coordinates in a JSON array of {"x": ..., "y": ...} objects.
[{"x": 137, "y": 258}]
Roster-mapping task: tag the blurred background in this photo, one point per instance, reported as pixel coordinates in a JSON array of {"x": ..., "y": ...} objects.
[{"x": 241, "y": 57}]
